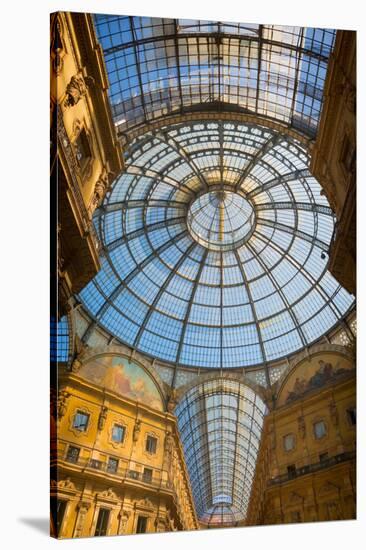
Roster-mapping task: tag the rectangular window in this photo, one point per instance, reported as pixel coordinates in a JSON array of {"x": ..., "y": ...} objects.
[
  {"x": 320, "y": 429},
  {"x": 58, "y": 508},
  {"x": 151, "y": 443},
  {"x": 289, "y": 442},
  {"x": 81, "y": 421},
  {"x": 118, "y": 433},
  {"x": 147, "y": 475},
  {"x": 291, "y": 471},
  {"x": 141, "y": 524},
  {"x": 82, "y": 149},
  {"x": 72, "y": 454},
  {"x": 102, "y": 523},
  {"x": 351, "y": 414},
  {"x": 96, "y": 464},
  {"x": 112, "y": 465}
]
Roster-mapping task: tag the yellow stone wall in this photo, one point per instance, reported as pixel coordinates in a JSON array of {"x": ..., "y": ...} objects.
[
  {"x": 79, "y": 106},
  {"x": 321, "y": 488},
  {"x": 86, "y": 485},
  {"x": 333, "y": 160}
]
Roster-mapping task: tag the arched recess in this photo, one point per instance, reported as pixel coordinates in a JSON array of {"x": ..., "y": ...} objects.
[
  {"x": 312, "y": 370},
  {"x": 125, "y": 375},
  {"x": 220, "y": 421},
  {"x": 224, "y": 375}
]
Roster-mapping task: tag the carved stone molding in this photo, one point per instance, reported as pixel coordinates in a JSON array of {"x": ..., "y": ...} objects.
[
  {"x": 108, "y": 494},
  {"x": 77, "y": 88}
]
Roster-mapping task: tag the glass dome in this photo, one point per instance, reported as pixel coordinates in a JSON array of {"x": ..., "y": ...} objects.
[
  {"x": 220, "y": 220},
  {"x": 215, "y": 248}
]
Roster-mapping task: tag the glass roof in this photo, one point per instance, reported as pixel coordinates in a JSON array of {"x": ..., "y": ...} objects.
[
  {"x": 59, "y": 340},
  {"x": 162, "y": 66},
  {"x": 220, "y": 220},
  {"x": 220, "y": 424},
  {"x": 176, "y": 299}
]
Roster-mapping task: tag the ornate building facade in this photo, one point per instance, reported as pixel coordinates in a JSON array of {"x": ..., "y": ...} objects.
[{"x": 118, "y": 465}]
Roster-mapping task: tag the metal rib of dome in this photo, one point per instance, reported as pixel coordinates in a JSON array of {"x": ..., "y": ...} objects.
[
  {"x": 220, "y": 424},
  {"x": 163, "y": 293},
  {"x": 158, "y": 67}
]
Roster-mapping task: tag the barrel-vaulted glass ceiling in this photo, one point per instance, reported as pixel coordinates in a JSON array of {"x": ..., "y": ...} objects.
[
  {"x": 220, "y": 424},
  {"x": 216, "y": 299},
  {"x": 162, "y": 66}
]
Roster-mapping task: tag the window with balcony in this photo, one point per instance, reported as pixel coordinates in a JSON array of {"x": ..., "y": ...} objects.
[
  {"x": 112, "y": 465},
  {"x": 72, "y": 454},
  {"x": 291, "y": 471},
  {"x": 147, "y": 475},
  {"x": 81, "y": 421},
  {"x": 96, "y": 464}
]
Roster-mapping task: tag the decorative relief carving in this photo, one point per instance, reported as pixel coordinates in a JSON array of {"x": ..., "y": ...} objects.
[
  {"x": 81, "y": 349},
  {"x": 136, "y": 431},
  {"x": 62, "y": 484},
  {"x": 100, "y": 189},
  {"x": 77, "y": 88},
  {"x": 301, "y": 426},
  {"x": 161, "y": 524},
  {"x": 57, "y": 45},
  {"x": 173, "y": 400},
  {"x": 62, "y": 403},
  {"x": 168, "y": 450},
  {"x": 83, "y": 508},
  {"x": 144, "y": 503},
  {"x": 102, "y": 418},
  {"x": 108, "y": 493},
  {"x": 334, "y": 413},
  {"x": 123, "y": 517}
]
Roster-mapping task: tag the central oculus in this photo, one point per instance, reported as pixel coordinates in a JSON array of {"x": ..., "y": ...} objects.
[{"x": 220, "y": 220}]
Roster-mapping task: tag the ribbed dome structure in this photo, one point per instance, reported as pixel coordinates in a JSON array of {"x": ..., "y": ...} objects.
[{"x": 216, "y": 243}]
